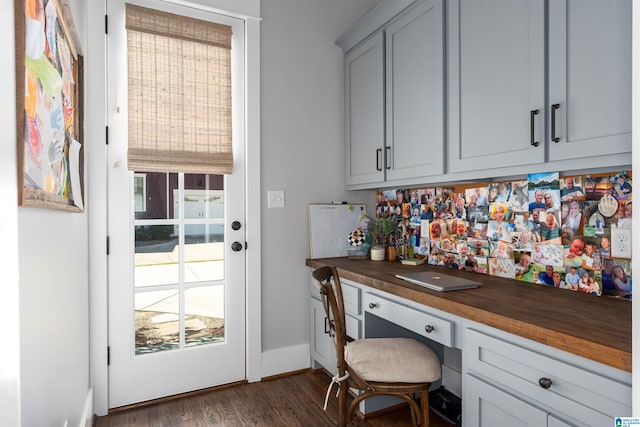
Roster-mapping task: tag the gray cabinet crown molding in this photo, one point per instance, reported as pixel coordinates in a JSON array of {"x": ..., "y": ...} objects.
[{"x": 371, "y": 22}]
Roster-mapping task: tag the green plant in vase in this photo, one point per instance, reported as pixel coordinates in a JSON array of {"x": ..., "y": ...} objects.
[{"x": 380, "y": 229}]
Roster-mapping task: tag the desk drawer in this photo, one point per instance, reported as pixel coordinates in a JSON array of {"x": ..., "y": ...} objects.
[
  {"x": 350, "y": 295},
  {"x": 420, "y": 322},
  {"x": 585, "y": 394},
  {"x": 351, "y": 298}
]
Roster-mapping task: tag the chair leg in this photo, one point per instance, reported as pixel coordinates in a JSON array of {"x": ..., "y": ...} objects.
[
  {"x": 424, "y": 406},
  {"x": 342, "y": 404}
]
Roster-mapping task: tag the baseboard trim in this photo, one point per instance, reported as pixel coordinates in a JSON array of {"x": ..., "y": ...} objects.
[
  {"x": 286, "y": 359},
  {"x": 87, "y": 418}
]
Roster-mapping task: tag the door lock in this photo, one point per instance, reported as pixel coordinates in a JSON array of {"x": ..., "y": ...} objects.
[{"x": 236, "y": 246}]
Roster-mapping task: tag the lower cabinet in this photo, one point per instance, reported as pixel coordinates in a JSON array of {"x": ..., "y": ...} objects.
[
  {"x": 322, "y": 348},
  {"x": 508, "y": 380},
  {"x": 487, "y": 405}
]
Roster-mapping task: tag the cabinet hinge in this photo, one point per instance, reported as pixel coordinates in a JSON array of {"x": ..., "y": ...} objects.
[
  {"x": 108, "y": 246},
  {"x": 246, "y": 245}
]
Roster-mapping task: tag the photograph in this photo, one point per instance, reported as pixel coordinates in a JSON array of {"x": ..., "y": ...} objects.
[
  {"x": 596, "y": 186},
  {"x": 502, "y": 267},
  {"x": 501, "y": 249},
  {"x": 571, "y": 187},
  {"x": 523, "y": 266},
  {"x": 477, "y": 196},
  {"x": 478, "y": 213},
  {"x": 572, "y": 217},
  {"x": 500, "y": 230},
  {"x": 519, "y": 196},
  {"x": 499, "y": 211},
  {"x": 621, "y": 186},
  {"x": 478, "y": 247}
]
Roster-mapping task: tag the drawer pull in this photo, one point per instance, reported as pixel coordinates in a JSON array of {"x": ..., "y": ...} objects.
[
  {"x": 545, "y": 383},
  {"x": 372, "y": 305},
  {"x": 428, "y": 329}
]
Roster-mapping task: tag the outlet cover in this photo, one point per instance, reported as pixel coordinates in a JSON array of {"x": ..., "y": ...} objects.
[{"x": 275, "y": 198}]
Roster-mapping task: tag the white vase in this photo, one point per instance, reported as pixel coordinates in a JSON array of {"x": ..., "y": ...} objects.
[{"x": 377, "y": 253}]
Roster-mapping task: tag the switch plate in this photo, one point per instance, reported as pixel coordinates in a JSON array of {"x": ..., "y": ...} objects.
[{"x": 275, "y": 198}]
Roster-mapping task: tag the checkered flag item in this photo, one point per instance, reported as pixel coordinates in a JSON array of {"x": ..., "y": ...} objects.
[{"x": 357, "y": 237}]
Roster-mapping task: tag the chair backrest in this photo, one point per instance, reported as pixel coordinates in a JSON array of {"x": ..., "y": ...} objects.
[{"x": 331, "y": 295}]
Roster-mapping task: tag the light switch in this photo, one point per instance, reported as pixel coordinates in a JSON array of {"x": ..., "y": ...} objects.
[{"x": 275, "y": 198}]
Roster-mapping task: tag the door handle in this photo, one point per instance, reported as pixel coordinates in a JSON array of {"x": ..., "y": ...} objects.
[
  {"x": 386, "y": 158},
  {"x": 554, "y": 138},
  {"x": 534, "y": 113},
  {"x": 236, "y": 246},
  {"x": 236, "y": 225}
]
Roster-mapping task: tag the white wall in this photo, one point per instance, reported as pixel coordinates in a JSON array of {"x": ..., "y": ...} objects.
[
  {"x": 54, "y": 334},
  {"x": 302, "y": 150},
  {"x": 9, "y": 320}
]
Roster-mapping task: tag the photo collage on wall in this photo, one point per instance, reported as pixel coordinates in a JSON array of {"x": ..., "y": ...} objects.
[{"x": 571, "y": 232}]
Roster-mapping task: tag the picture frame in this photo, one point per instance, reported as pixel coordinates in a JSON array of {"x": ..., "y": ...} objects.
[{"x": 49, "y": 106}]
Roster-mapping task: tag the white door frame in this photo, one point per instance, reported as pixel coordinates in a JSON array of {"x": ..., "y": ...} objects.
[{"x": 96, "y": 195}]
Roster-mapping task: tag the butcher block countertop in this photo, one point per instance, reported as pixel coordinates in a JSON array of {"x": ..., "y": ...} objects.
[{"x": 597, "y": 328}]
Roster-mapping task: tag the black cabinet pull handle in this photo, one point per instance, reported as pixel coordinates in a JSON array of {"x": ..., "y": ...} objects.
[
  {"x": 554, "y": 138},
  {"x": 327, "y": 327},
  {"x": 428, "y": 329},
  {"x": 378, "y": 153},
  {"x": 372, "y": 305},
  {"x": 386, "y": 158},
  {"x": 534, "y": 113},
  {"x": 545, "y": 383}
]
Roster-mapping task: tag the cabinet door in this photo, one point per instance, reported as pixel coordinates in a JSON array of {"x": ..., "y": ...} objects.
[
  {"x": 364, "y": 108},
  {"x": 590, "y": 77},
  {"x": 322, "y": 348},
  {"x": 489, "y": 406},
  {"x": 415, "y": 93},
  {"x": 496, "y": 66}
]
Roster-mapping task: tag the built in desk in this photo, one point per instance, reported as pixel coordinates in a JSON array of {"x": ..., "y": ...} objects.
[
  {"x": 518, "y": 342},
  {"x": 597, "y": 328}
]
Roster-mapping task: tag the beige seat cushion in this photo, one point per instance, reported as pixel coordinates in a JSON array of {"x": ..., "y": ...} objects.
[{"x": 393, "y": 360}]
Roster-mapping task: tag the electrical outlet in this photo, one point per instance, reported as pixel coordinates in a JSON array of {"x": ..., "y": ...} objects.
[{"x": 275, "y": 199}]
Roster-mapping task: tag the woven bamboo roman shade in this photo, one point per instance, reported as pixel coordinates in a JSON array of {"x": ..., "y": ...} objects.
[{"x": 179, "y": 93}]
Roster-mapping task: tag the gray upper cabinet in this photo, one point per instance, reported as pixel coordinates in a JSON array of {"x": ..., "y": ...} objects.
[
  {"x": 394, "y": 96},
  {"x": 496, "y": 83},
  {"x": 589, "y": 78},
  {"x": 415, "y": 93},
  {"x": 531, "y": 86},
  {"x": 364, "y": 108},
  {"x": 502, "y": 113}
]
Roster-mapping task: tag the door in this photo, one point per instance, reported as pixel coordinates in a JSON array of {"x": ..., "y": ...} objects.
[
  {"x": 176, "y": 252},
  {"x": 322, "y": 346},
  {"x": 364, "y": 108},
  {"x": 589, "y": 78},
  {"x": 486, "y": 405},
  {"x": 496, "y": 83},
  {"x": 415, "y": 93}
]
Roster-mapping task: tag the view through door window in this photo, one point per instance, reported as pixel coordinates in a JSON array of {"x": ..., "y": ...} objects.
[{"x": 179, "y": 260}]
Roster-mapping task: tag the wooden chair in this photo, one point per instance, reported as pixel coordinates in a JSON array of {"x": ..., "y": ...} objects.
[{"x": 401, "y": 367}]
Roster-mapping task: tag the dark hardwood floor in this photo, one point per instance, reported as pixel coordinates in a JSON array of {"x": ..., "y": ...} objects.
[{"x": 293, "y": 400}]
